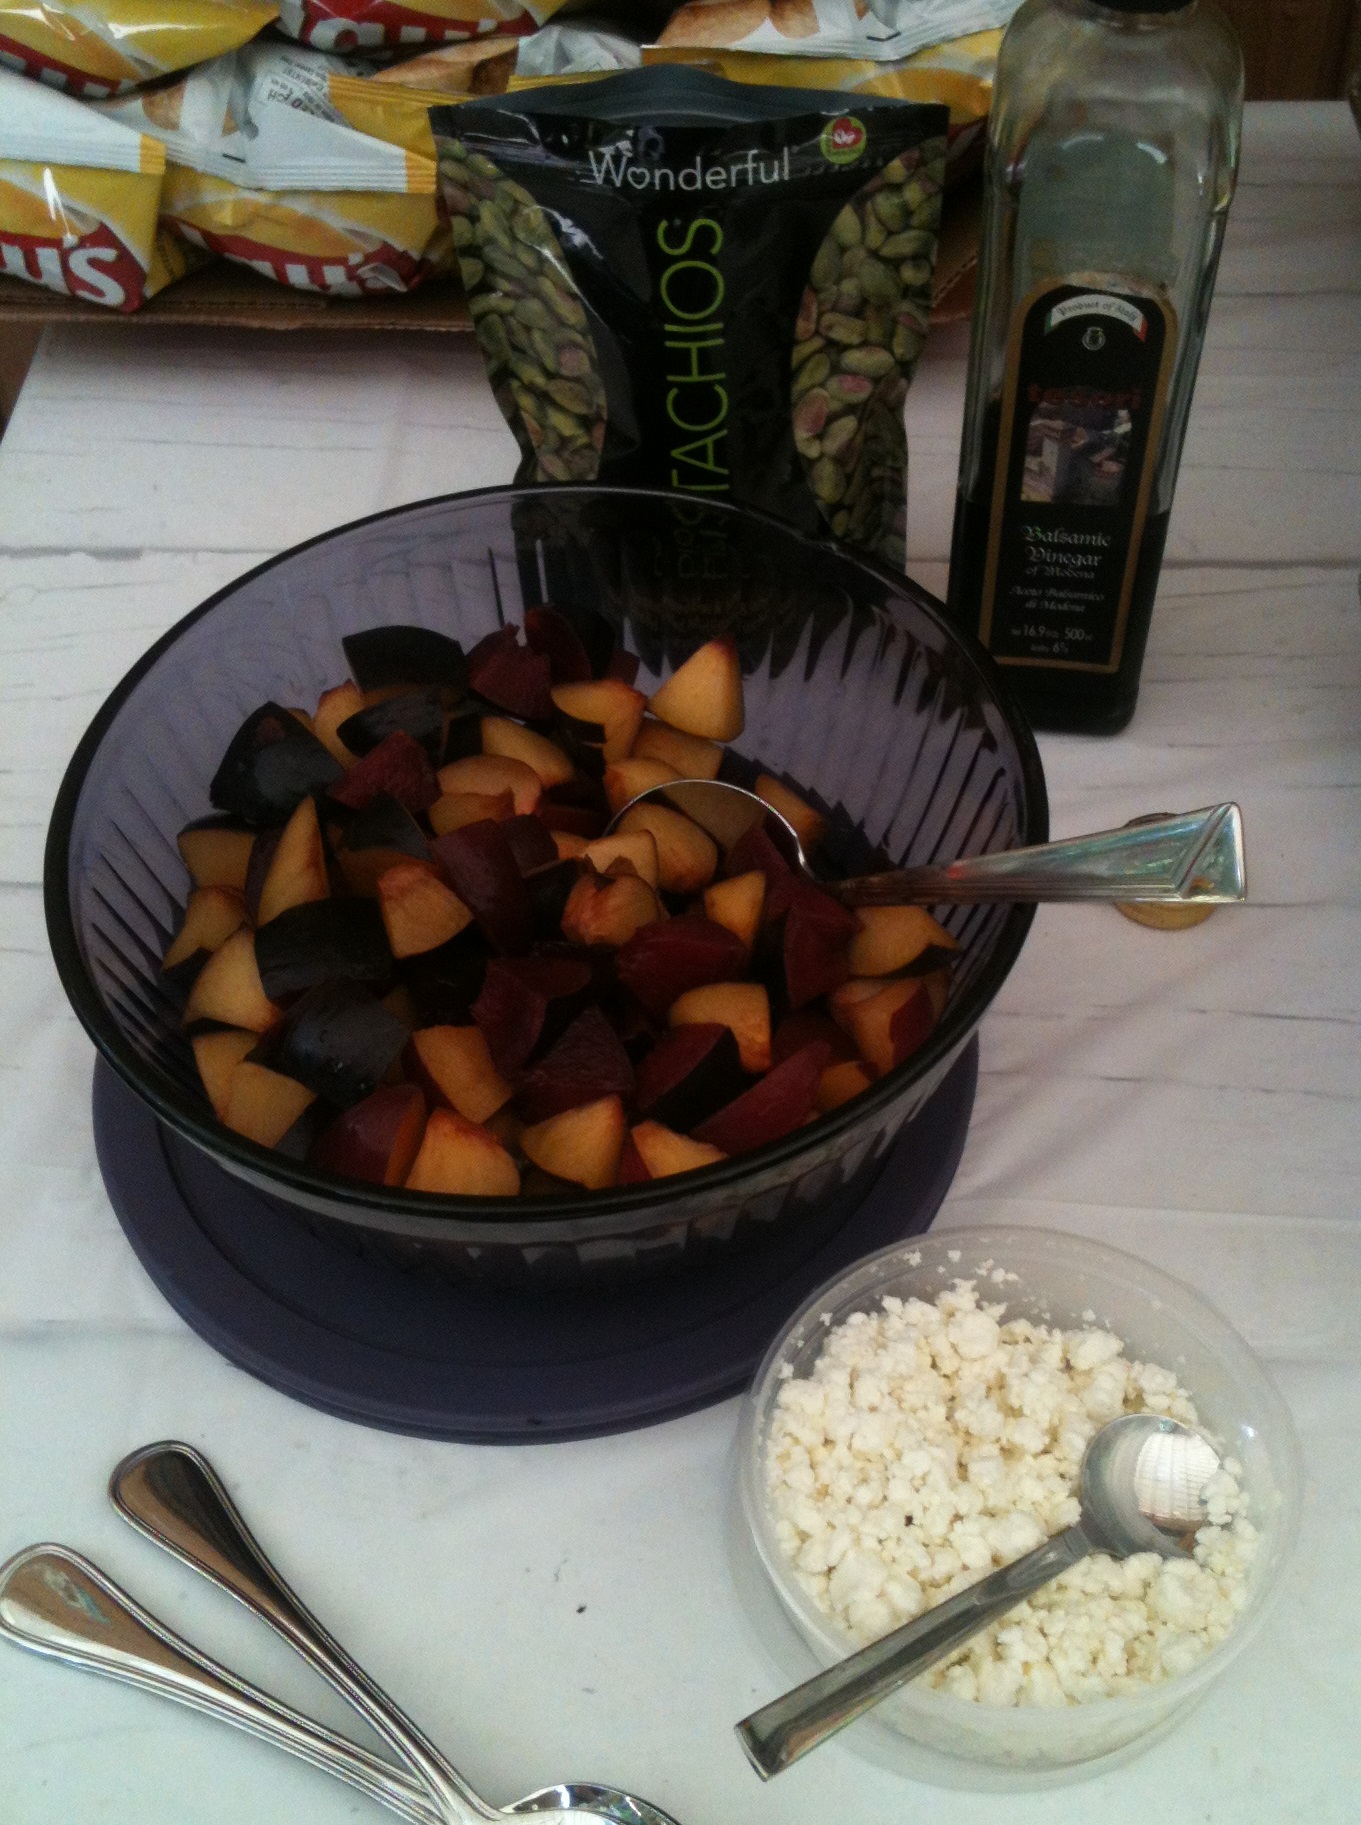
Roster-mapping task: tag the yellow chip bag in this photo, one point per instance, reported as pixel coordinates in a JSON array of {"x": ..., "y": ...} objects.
[
  {"x": 109, "y": 46},
  {"x": 79, "y": 200},
  {"x": 369, "y": 25},
  {"x": 959, "y": 73},
  {"x": 287, "y": 161}
]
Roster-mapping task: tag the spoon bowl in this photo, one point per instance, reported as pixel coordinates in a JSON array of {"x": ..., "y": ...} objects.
[{"x": 1187, "y": 858}]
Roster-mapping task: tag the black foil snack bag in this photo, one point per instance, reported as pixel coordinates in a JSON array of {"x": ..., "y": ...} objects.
[{"x": 686, "y": 283}]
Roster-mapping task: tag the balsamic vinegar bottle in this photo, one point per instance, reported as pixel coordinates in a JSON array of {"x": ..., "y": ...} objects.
[{"x": 1112, "y": 152}]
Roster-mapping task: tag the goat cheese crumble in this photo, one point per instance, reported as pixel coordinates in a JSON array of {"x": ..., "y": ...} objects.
[{"x": 934, "y": 1442}]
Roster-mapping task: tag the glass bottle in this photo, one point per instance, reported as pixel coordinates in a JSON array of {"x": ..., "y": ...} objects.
[{"x": 1112, "y": 153}]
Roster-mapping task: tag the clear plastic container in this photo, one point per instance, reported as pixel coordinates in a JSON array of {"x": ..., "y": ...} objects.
[{"x": 1063, "y": 1279}]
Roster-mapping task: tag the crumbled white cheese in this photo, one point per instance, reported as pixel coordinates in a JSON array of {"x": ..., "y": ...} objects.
[{"x": 936, "y": 1441}]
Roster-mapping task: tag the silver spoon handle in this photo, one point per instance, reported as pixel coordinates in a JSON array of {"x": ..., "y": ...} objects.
[
  {"x": 1193, "y": 856},
  {"x": 56, "y": 1603},
  {"x": 787, "y": 1728},
  {"x": 173, "y": 1496}
]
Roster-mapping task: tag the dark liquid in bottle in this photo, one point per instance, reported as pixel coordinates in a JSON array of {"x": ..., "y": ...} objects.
[{"x": 1054, "y": 697}]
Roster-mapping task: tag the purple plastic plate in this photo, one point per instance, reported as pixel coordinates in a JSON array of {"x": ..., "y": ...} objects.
[{"x": 370, "y": 1342}]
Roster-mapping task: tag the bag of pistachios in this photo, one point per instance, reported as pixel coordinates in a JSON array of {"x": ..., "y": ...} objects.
[{"x": 688, "y": 283}]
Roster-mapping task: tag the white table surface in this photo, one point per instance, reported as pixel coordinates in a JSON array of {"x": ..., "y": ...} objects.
[{"x": 568, "y": 1610}]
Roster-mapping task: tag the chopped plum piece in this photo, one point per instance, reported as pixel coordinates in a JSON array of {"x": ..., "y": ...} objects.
[
  {"x": 452, "y": 810},
  {"x": 743, "y": 1006},
  {"x": 512, "y": 741},
  {"x": 606, "y": 705},
  {"x": 627, "y": 778},
  {"x": 689, "y": 1074},
  {"x": 608, "y": 909},
  {"x": 463, "y": 731},
  {"x": 340, "y": 1041},
  {"x": 455, "y": 1066},
  {"x": 334, "y": 707},
  {"x": 271, "y": 762},
  {"x": 531, "y": 842},
  {"x": 418, "y": 714},
  {"x": 297, "y": 869},
  {"x": 420, "y": 912},
  {"x": 893, "y": 939},
  {"x": 588, "y": 1062},
  {"x": 809, "y": 826},
  {"x": 662, "y": 961},
  {"x": 581, "y": 1144},
  {"x": 228, "y": 988},
  {"x": 479, "y": 864},
  {"x": 738, "y": 903},
  {"x": 687, "y": 856},
  {"x": 704, "y": 695},
  {"x": 262, "y": 1105},
  {"x": 840, "y": 1082},
  {"x": 551, "y": 634},
  {"x": 814, "y": 960},
  {"x": 637, "y": 848},
  {"x": 511, "y": 1012},
  {"x": 511, "y": 676},
  {"x": 691, "y": 755},
  {"x": 377, "y": 1140},
  {"x": 756, "y": 851},
  {"x": 399, "y": 766},
  {"x": 210, "y": 918},
  {"x": 664, "y": 1152},
  {"x": 375, "y": 839},
  {"x": 460, "y": 1159},
  {"x": 217, "y": 1054},
  {"x": 774, "y": 1107},
  {"x": 493, "y": 773},
  {"x": 322, "y": 941},
  {"x": 399, "y": 654},
  {"x": 889, "y": 1025},
  {"x": 216, "y": 851}
]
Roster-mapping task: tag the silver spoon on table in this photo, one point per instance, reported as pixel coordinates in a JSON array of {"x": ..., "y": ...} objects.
[
  {"x": 1142, "y": 1490},
  {"x": 1191, "y": 857},
  {"x": 57, "y": 1603},
  {"x": 172, "y": 1495}
]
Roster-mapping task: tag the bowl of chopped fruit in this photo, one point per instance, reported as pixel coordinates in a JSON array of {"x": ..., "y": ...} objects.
[
  {"x": 921, "y": 1422},
  {"x": 328, "y": 880}
]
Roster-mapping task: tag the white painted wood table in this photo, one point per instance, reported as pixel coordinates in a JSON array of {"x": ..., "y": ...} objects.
[{"x": 1195, "y": 1097}]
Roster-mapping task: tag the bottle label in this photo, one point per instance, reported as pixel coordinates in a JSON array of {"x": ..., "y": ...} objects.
[{"x": 1082, "y": 405}]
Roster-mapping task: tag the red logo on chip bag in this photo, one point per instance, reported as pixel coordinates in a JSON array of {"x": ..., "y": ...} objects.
[{"x": 98, "y": 267}]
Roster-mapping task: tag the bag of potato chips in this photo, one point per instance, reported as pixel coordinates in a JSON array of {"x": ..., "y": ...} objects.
[
  {"x": 113, "y": 45},
  {"x": 79, "y": 200},
  {"x": 369, "y": 25},
  {"x": 286, "y": 161},
  {"x": 884, "y": 31}
]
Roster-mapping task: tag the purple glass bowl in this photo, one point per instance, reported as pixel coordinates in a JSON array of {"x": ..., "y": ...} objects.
[{"x": 858, "y": 692}]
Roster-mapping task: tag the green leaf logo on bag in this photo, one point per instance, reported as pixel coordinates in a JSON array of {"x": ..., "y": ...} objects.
[{"x": 843, "y": 140}]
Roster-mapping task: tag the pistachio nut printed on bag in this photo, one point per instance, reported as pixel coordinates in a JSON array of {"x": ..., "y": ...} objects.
[{"x": 686, "y": 283}]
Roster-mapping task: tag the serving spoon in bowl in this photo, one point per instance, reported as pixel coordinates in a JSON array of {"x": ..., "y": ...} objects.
[
  {"x": 1190, "y": 857},
  {"x": 1142, "y": 1489},
  {"x": 57, "y": 1603},
  {"x": 170, "y": 1493}
]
